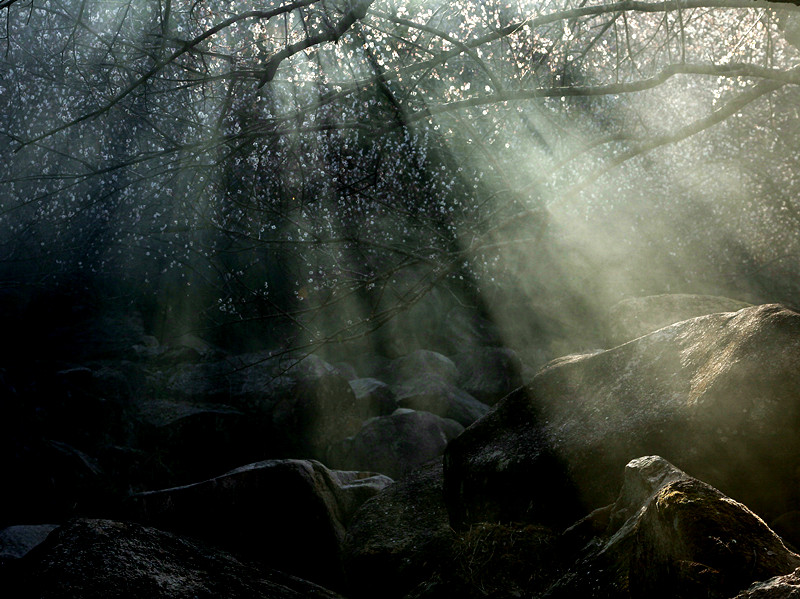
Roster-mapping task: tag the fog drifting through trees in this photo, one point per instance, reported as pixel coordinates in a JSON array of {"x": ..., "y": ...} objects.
[{"x": 305, "y": 174}]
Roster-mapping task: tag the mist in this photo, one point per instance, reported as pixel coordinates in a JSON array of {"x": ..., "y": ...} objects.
[
  {"x": 543, "y": 171},
  {"x": 437, "y": 298}
]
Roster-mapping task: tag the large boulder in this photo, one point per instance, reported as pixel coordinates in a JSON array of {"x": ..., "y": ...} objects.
[
  {"x": 90, "y": 405},
  {"x": 778, "y": 587},
  {"x": 400, "y": 537},
  {"x": 488, "y": 373},
  {"x": 318, "y": 412},
  {"x": 372, "y": 365},
  {"x": 300, "y": 405},
  {"x": 400, "y": 544},
  {"x": 47, "y": 480},
  {"x": 637, "y": 316},
  {"x": 243, "y": 379},
  {"x": 667, "y": 535},
  {"x": 232, "y": 380},
  {"x": 373, "y": 397},
  {"x": 196, "y": 440},
  {"x": 395, "y": 445},
  {"x": 670, "y": 535},
  {"x": 85, "y": 407},
  {"x": 430, "y": 393},
  {"x": 422, "y": 362},
  {"x": 54, "y": 426},
  {"x": 346, "y": 370},
  {"x": 184, "y": 348},
  {"x": 17, "y": 541},
  {"x": 102, "y": 559},
  {"x": 718, "y": 396},
  {"x": 287, "y": 514}
]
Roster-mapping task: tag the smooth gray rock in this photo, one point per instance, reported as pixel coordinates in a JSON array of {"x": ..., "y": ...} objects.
[
  {"x": 778, "y": 587},
  {"x": 287, "y": 514},
  {"x": 423, "y": 362},
  {"x": 671, "y": 535},
  {"x": 16, "y": 541},
  {"x": 488, "y": 373},
  {"x": 718, "y": 395},
  {"x": 430, "y": 393},
  {"x": 397, "y": 444},
  {"x": 400, "y": 537},
  {"x": 373, "y": 397},
  {"x": 102, "y": 559}
]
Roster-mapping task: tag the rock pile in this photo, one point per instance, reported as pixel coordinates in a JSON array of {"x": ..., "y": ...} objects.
[{"x": 646, "y": 470}]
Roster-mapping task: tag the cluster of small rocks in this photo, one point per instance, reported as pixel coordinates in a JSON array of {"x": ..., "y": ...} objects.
[{"x": 138, "y": 469}]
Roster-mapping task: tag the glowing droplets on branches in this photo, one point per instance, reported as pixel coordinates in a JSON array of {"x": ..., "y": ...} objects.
[{"x": 326, "y": 162}]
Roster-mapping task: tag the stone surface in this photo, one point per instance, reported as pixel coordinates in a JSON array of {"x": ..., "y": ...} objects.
[
  {"x": 372, "y": 365},
  {"x": 637, "y": 316},
  {"x": 346, "y": 370},
  {"x": 430, "y": 393},
  {"x": 488, "y": 373},
  {"x": 317, "y": 413},
  {"x": 395, "y": 445},
  {"x": 46, "y": 480},
  {"x": 197, "y": 440},
  {"x": 778, "y": 587},
  {"x": 670, "y": 535},
  {"x": 244, "y": 378},
  {"x": 422, "y": 362},
  {"x": 103, "y": 559},
  {"x": 287, "y": 514},
  {"x": 718, "y": 396},
  {"x": 400, "y": 537},
  {"x": 300, "y": 404},
  {"x": 17, "y": 541},
  {"x": 373, "y": 397},
  {"x": 82, "y": 406},
  {"x": 234, "y": 380}
]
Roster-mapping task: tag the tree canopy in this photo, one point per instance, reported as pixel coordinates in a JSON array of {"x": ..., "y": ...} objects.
[{"x": 312, "y": 169}]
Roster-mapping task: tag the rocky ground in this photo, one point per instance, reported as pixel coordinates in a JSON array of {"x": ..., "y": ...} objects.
[{"x": 664, "y": 466}]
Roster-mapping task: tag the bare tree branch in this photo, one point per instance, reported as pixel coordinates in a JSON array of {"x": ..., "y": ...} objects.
[
  {"x": 188, "y": 46},
  {"x": 732, "y": 107},
  {"x": 358, "y": 11},
  {"x": 728, "y": 70}
]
